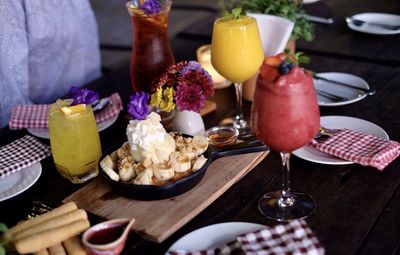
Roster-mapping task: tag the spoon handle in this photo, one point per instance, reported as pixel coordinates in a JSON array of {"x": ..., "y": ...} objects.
[{"x": 318, "y": 19}]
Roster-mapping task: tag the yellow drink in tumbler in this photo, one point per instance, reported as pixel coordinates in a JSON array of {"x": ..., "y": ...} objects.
[
  {"x": 74, "y": 140},
  {"x": 237, "y": 52}
]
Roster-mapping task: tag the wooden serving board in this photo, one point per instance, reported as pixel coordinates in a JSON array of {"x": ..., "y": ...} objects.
[{"x": 156, "y": 220}]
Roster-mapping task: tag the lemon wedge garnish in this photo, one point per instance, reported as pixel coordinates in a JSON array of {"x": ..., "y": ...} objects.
[{"x": 69, "y": 110}]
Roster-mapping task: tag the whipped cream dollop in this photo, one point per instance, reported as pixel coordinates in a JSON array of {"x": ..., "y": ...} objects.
[{"x": 149, "y": 140}]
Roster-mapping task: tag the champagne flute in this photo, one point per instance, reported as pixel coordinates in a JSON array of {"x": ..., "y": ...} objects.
[
  {"x": 237, "y": 54},
  {"x": 285, "y": 116}
]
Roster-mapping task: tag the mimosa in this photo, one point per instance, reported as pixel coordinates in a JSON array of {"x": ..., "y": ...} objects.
[
  {"x": 236, "y": 48},
  {"x": 237, "y": 53}
]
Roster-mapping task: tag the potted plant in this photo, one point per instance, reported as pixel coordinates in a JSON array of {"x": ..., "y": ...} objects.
[{"x": 289, "y": 9}]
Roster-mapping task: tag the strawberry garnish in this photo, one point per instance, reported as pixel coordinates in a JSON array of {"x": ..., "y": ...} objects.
[{"x": 272, "y": 61}]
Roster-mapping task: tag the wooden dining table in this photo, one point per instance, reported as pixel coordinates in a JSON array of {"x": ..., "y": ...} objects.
[{"x": 358, "y": 208}]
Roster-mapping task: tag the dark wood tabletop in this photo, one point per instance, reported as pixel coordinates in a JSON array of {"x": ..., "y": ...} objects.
[
  {"x": 358, "y": 208},
  {"x": 339, "y": 40}
]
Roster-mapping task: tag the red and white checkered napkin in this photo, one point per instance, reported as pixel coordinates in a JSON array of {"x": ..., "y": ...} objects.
[
  {"x": 360, "y": 148},
  {"x": 35, "y": 116},
  {"x": 21, "y": 153},
  {"x": 293, "y": 238},
  {"x": 111, "y": 110},
  {"x": 29, "y": 116}
]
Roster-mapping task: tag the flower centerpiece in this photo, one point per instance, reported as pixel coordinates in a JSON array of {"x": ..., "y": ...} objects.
[{"x": 184, "y": 86}]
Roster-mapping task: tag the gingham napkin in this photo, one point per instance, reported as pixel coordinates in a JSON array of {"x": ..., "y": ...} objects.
[
  {"x": 20, "y": 154},
  {"x": 35, "y": 116},
  {"x": 294, "y": 238},
  {"x": 360, "y": 148}
]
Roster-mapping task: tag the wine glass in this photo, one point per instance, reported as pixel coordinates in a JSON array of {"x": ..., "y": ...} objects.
[
  {"x": 237, "y": 54},
  {"x": 285, "y": 116}
]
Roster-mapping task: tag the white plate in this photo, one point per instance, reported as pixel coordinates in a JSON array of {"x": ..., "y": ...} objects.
[
  {"x": 336, "y": 122},
  {"x": 44, "y": 132},
  {"x": 212, "y": 236},
  {"x": 382, "y": 18},
  {"x": 351, "y": 94},
  {"x": 309, "y": 1},
  {"x": 20, "y": 181}
]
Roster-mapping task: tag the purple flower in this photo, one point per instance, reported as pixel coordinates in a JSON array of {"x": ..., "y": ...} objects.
[
  {"x": 189, "y": 97},
  {"x": 191, "y": 66},
  {"x": 83, "y": 96},
  {"x": 138, "y": 107},
  {"x": 151, "y": 7}
]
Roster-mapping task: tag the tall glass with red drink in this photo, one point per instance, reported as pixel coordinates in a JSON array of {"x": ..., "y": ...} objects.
[
  {"x": 285, "y": 116},
  {"x": 151, "y": 52}
]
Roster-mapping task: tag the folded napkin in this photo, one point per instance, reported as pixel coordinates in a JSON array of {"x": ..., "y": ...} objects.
[
  {"x": 360, "y": 148},
  {"x": 274, "y": 31},
  {"x": 20, "y": 154},
  {"x": 35, "y": 116},
  {"x": 293, "y": 238}
]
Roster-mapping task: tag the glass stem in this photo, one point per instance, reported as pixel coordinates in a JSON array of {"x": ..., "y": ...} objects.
[
  {"x": 239, "y": 122},
  {"x": 287, "y": 198}
]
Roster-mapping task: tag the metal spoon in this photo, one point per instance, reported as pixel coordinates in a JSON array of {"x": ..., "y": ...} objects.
[{"x": 101, "y": 104}]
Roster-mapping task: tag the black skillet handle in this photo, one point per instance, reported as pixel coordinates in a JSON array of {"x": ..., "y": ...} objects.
[{"x": 240, "y": 148}]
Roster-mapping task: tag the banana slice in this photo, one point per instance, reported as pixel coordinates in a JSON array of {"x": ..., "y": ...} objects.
[
  {"x": 124, "y": 150},
  {"x": 126, "y": 172},
  {"x": 200, "y": 143},
  {"x": 111, "y": 173},
  {"x": 108, "y": 162},
  {"x": 139, "y": 167},
  {"x": 163, "y": 172},
  {"x": 199, "y": 163},
  {"x": 144, "y": 178},
  {"x": 180, "y": 162}
]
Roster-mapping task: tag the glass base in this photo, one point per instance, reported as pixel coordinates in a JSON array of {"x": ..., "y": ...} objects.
[
  {"x": 239, "y": 124},
  {"x": 77, "y": 179},
  {"x": 271, "y": 206}
]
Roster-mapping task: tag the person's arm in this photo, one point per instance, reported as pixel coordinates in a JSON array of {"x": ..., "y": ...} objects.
[{"x": 14, "y": 78}]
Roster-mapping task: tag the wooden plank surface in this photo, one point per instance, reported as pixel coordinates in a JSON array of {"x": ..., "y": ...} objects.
[{"x": 157, "y": 220}]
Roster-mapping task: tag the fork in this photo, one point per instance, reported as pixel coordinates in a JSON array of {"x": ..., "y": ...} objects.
[{"x": 331, "y": 96}]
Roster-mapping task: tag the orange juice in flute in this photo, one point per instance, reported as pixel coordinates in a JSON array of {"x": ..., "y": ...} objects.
[{"x": 236, "y": 53}]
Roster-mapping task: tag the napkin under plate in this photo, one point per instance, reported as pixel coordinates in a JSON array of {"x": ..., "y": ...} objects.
[
  {"x": 358, "y": 147},
  {"x": 20, "y": 154},
  {"x": 35, "y": 116},
  {"x": 295, "y": 237}
]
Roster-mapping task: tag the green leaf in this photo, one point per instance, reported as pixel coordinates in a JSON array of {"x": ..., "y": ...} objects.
[
  {"x": 236, "y": 13},
  {"x": 3, "y": 228},
  {"x": 2, "y": 250},
  {"x": 288, "y": 9}
]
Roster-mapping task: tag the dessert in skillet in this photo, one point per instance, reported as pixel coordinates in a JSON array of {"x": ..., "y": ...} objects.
[{"x": 151, "y": 156}]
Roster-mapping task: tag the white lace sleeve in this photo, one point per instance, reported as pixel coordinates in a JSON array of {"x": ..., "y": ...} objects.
[
  {"x": 14, "y": 81},
  {"x": 45, "y": 47}
]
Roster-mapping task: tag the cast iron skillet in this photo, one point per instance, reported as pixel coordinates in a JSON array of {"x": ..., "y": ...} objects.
[{"x": 152, "y": 192}]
